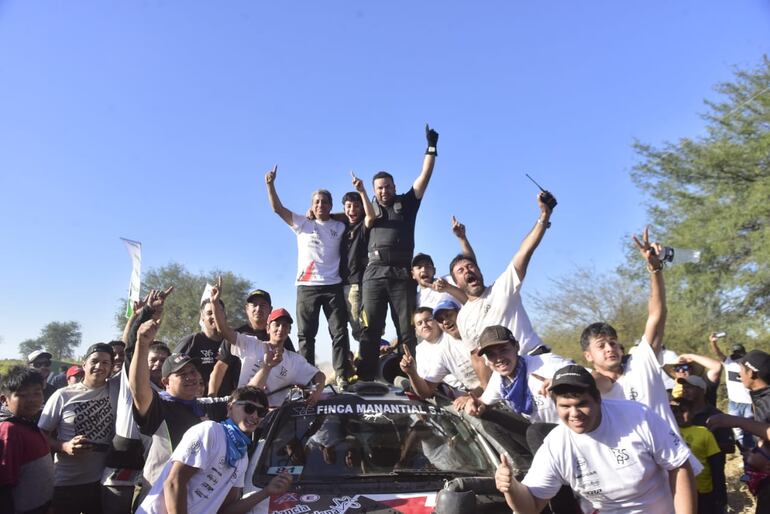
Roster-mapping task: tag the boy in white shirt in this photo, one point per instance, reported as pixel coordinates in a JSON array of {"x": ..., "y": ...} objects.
[
  {"x": 206, "y": 470},
  {"x": 618, "y": 456}
]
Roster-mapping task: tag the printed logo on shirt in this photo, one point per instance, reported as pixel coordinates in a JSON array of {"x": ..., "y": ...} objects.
[
  {"x": 675, "y": 440},
  {"x": 94, "y": 419},
  {"x": 633, "y": 394},
  {"x": 284, "y": 371},
  {"x": 194, "y": 448},
  {"x": 207, "y": 356},
  {"x": 621, "y": 455}
]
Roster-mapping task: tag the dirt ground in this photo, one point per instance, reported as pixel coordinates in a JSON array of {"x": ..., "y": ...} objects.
[{"x": 739, "y": 498}]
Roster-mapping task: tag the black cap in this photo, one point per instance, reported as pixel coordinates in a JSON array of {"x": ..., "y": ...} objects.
[
  {"x": 100, "y": 347},
  {"x": 737, "y": 351},
  {"x": 493, "y": 336},
  {"x": 259, "y": 292},
  {"x": 175, "y": 362},
  {"x": 574, "y": 376},
  {"x": 422, "y": 257},
  {"x": 758, "y": 362}
]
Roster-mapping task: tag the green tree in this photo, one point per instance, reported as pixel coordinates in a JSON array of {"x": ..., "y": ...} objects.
[
  {"x": 182, "y": 308},
  {"x": 711, "y": 194},
  {"x": 28, "y": 346},
  {"x": 60, "y": 338},
  {"x": 585, "y": 296}
]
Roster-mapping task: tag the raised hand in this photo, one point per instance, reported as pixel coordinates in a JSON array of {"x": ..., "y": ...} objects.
[
  {"x": 216, "y": 290},
  {"x": 546, "y": 201},
  {"x": 431, "y": 135},
  {"x": 408, "y": 363},
  {"x": 650, "y": 251},
  {"x": 458, "y": 228},
  {"x": 440, "y": 285},
  {"x": 273, "y": 357},
  {"x": 358, "y": 184},
  {"x": 147, "y": 331},
  {"x": 270, "y": 175}
]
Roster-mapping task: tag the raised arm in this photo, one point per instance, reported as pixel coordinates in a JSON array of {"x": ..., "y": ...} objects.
[
  {"x": 713, "y": 366},
  {"x": 139, "y": 373},
  {"x": 421, "y": 183},
  {"x": 272, "y": 358},
  {"x": 219, "y": 315},
  {"x": 458, "y": 229},
  {"x": 545, "y": 201},
  {"x": 517, "y": 495},
  {"x": 422, "y": 387},
  {"x": 656, "y": 307},
  {"x": 715, "y": 348},
  {"x": 358, "y": 184},
  {"x": 275, "y": 202}
]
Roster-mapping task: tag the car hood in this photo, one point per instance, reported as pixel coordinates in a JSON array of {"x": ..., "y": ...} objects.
[{"x": 300, "y": 503}]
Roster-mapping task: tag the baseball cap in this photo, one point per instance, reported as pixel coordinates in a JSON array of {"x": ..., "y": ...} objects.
[
  {"x": 100, "y": 347},
  {"x": 175, "y": 362},
  {"x": 446, "y": 305},
  {"x": 279, "y": 313},
  {"x": 422, "y": 257},
  {"x": 758, "y": 362},
  {"x": 74, "y": 370},
  {"x": 259, "y": 292},
  {"x": 575, "y": 376},
  {"x": 737, "y": 350},
  {"x": 693, "y": 380},
  {"x": 494, "y": 335},
  {"x": 38, "y": 353}
]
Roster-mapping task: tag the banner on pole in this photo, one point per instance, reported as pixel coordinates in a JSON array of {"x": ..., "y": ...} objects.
[{"x": 135, "y": 252}]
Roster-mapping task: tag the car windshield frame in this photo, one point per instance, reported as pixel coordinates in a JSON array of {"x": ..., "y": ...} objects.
[{"x": 348, "y": 438}]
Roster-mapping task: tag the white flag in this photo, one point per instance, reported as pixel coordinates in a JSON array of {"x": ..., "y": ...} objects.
[{"x": 135, "y": 251}]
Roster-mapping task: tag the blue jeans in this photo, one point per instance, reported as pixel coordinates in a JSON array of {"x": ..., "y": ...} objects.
[{"x": 745, "y": 439}]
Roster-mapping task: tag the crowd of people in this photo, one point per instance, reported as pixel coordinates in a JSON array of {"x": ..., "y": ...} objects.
[{"x": 139, "y": 427}]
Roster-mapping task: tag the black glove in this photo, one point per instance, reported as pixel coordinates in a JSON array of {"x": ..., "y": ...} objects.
[
  {"x": 547, "y": 198},
  {"x": 432, "y": 137}
]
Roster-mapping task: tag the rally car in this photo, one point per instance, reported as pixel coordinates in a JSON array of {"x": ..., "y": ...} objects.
[{"x": 374, "y": 450}]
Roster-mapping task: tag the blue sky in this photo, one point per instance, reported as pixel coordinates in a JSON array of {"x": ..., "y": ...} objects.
[{"x": 156, "y": 121}]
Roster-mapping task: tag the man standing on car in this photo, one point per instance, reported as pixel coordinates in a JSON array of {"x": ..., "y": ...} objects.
[{"x": 387, "y": 279}]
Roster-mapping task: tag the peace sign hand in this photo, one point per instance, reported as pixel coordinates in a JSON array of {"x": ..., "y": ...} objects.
[{"x": 650, "y": 251}]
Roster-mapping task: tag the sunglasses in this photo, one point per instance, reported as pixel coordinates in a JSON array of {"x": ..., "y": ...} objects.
[
  {"x": 251, "y": 408},
  {"x": 683, "y": 367},
  {"x": 41, "y": 364}
]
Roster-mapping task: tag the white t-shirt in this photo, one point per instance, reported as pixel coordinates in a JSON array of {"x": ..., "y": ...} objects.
[
  {"x": 621, "y": 467},
  {"x": 293, "y": 369},
  {"x": 204, "y": 447},
  {"x": 736, "y": 391},
  {"x": 427, "y": 297},
  {"x": 667, "y": 356},
  {"x": 500, "y": 304},
  {"x": 427, "y": 354},
  {"x": 455, "y": 359},
  {"x": 544, "y": 365},
  {"x": 318, "y": 250},
  {"x": 78, "y": 410}
]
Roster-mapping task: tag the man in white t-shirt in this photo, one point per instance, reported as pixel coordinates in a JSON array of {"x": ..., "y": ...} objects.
[
  {"x": 738, "y": 397},
  {"x": 429, "y": 349},
  {"x": 500, "y": 303},
  {"x": 618, "y": 456},
  {"x": 518, "y": 381},
  {"x": 258, "y": 358},
  {"x": 207, "y": 469},
  {"x": 318, "y": 275}
]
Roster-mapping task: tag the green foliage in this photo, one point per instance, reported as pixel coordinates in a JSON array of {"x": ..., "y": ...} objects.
[
  {"x": 585, "y": 296},
  {"x": 59, "y": 338},
  {"x": 711, "y": 194},
  {"x": 182, "y": 308}
]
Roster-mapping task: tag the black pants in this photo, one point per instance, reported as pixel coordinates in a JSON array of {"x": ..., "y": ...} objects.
[
  {"x": 377, "y": 295},
  {"x": 74, "y": 499},
  {"x": 310, "y": 300}
]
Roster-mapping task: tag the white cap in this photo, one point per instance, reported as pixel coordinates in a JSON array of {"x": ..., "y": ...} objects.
[{"x": 37, "y": 353}]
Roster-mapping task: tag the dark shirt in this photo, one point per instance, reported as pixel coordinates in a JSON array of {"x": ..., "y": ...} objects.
[
  {"x": 391, "y": 239},
  {"x": 199, "y": 346},
  {"x": 353, "y": 256},
  {"x": 711, "y": 390},
  {"x": 760, "y": 399}
]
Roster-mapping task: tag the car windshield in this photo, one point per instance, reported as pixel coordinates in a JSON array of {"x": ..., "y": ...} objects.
[{"x": 351, "y": 437}]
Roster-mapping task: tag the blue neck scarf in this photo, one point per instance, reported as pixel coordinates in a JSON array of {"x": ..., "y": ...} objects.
[
  {"x": 196, "y": 407},
  {"x": 237, "y": 442},
  {"x": 516, "y": 393}
]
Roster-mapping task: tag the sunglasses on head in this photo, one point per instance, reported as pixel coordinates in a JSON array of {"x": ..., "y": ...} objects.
[
  {"x": 41, "y": 364},
  {"x": 251, "y": 408},
  {"x": 682, "y": 367}
]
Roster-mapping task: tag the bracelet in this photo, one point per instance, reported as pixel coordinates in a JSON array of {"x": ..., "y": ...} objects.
[
  {"x": 653, "y": 269},
  {"x": 546, "y": 224},
  {"x": 431, "y": 150}
]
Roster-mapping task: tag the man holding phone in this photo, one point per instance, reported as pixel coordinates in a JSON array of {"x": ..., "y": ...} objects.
[{"x": 79, "y": 421}]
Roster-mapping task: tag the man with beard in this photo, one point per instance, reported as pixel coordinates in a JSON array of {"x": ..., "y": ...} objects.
[
  {"x": 500, "y": 303},
  {"x": 386, "y": 281},
  {"x": 224, "y": 377},
  {"x": 203, "y": 346}
]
